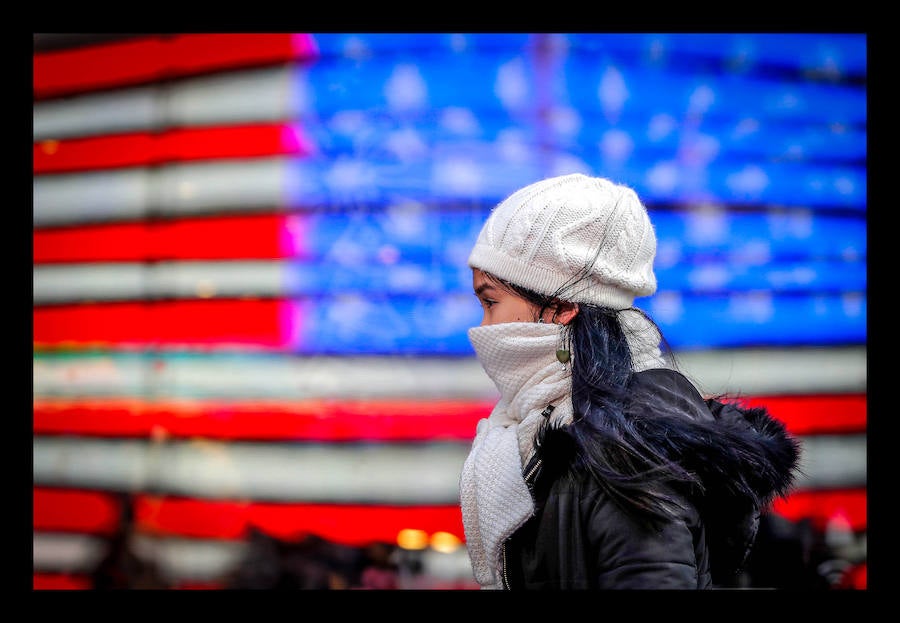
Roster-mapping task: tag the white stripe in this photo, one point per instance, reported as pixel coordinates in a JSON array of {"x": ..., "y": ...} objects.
[
  {"x": 281, "y": 377},
  {"x": 256, "y": 95},
  {"x": 141, "y": 192},
  {"x": 179, "y": 559},
  {"x": 85, "y": 197},
  {"x": 176, "y": 558},
  {"x": 106, "y": 113},
  {"x": 378, "y": 473},
  {"x": 446, "y": 566},
  {"x": 802, "y": 370},
  {"x": 89, "y": 282},
  {"x": 140, "y": 280},
  {"x": 747, "y": 371},
  {"x": 833, "y": 461},
  {"x": 267, "y": 94},
  {"x": 67, "y": 553}
]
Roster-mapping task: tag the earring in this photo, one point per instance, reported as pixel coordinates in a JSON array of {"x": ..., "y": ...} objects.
[{"x": 562, "y": 353}]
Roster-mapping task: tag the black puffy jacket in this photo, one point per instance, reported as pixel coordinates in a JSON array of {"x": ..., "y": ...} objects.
[{"x": 579, "y": 538}]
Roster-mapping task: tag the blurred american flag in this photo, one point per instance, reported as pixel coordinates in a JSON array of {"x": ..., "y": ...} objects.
[{"x": 250, "y": 290}]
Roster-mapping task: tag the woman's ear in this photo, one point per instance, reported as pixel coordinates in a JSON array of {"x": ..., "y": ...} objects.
[{"x": 565, "y": 312}]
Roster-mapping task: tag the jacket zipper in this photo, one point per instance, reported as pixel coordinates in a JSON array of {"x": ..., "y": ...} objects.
[
  {"x": 531, "y": 471},
  {"x": 504, "y": 577}
]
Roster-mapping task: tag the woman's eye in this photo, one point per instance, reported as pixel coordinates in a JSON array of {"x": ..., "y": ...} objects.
[{"x": 485, "y": 303}]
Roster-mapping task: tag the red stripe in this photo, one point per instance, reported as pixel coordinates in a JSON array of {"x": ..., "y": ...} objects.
[
  {"x": 345, "y": 524},
  {"x": 100, "y": 243},
  {"x": 836, "y": 508},
  {"x": 213, "y": 238},
  {"x": 187, "y": 322},
  {"x": 51, "y": 156},
  {"x": 77, "y": 511},
  {"x": 99, "y": 513},
  {"x": 145, "y": 148},
  {"x": 385, "y": 420},
  {"x": 61, "y": 582},
  {"x": 804, "y": 415},
  {"x": 152, "y": 59},
  {"x": 195, "y": 53},
  {"x": 337, "y": 420},
  {"x": 101, "y": 66}
]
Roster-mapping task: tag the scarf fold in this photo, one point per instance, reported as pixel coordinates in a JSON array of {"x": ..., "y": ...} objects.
[{"x": 520, "y": 358}]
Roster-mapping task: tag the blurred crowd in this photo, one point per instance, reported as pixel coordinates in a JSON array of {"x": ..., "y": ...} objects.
[
  {"x": 788, "y": 555},
  {"x": 313, "y": 563}
]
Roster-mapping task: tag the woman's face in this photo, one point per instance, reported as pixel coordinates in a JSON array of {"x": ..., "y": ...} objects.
[{"x": 499, "y": 304}]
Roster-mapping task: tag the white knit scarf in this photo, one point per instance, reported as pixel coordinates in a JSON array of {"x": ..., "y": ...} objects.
[{"x": 520, "y": 357}]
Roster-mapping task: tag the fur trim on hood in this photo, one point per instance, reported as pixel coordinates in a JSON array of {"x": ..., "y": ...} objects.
[{"x": 743, "y": 457}]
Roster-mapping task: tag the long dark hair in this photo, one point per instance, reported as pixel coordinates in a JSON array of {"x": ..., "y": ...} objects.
[
  {"x": 614, "y": 446},
  {"x": 634, "y": 470}
]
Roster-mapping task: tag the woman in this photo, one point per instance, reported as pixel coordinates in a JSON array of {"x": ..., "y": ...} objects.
[{"x": 601, "y": 466}]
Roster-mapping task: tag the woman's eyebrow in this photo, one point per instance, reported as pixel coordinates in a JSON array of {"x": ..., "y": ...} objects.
[{"x": 484, "y": 286}]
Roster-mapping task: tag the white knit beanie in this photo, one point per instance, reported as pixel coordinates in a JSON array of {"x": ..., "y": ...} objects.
[{"x": 582, "y": 239}]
